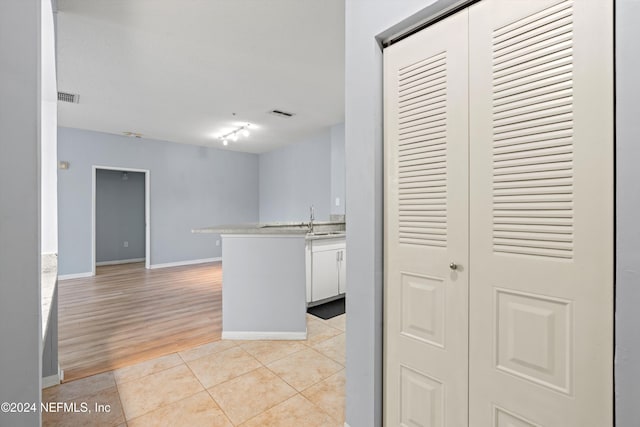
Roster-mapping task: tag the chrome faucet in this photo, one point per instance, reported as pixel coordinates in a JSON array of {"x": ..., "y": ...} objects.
[{"x": 311, "y": 218}]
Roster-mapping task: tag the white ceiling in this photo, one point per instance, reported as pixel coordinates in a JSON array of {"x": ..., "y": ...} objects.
[{"x": 176, "y": 70}]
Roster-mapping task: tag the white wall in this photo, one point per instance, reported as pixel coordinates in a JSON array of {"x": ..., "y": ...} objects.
[
  {"x": 363, "y": 133},
  {"x": 49, "y": 134},
  {"x": 191, "y": 187},
  {"x": 20, "y": 109},
  {"x": 49, "y": 173}
]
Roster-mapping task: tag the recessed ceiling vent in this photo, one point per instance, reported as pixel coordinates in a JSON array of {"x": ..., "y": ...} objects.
[
  {"x": 68, "y": 97},
  {"x": 281, "y": 113}
]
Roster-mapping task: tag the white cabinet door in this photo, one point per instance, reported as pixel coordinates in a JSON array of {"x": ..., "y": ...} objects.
[
  {"x": 308, "y": 264},
  {"x": 324, "y": 274},
  {"x": 342, "y": 272}
]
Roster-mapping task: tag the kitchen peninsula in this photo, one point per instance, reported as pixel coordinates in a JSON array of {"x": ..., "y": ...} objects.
[{"x": 266, "y": 277}]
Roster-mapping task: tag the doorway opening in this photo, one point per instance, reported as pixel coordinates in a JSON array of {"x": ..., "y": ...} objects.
[{"x": 120, "y": 232}]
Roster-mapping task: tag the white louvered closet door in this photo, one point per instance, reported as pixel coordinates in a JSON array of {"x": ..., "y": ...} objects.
[
  {"x": 541, "y": 187},
  {"x": 426, "y": 227}
]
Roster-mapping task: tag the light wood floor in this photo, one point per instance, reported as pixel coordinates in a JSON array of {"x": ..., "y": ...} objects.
[{"x": 127, "y": 314}]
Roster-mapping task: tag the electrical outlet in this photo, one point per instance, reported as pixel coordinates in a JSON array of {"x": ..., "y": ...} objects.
[
  {"x": 126, "y": 244},
  {"x": 218, "y": 242}
]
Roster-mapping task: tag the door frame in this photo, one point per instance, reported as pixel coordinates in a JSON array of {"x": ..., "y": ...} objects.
[{"x": 147, "y": 211}]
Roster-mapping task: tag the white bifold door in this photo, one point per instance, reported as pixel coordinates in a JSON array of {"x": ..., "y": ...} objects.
[
  {"x": 427, "y": 227},
  {"x": 499, "y": 218}
]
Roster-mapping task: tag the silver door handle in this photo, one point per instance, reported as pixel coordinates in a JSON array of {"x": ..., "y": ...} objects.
[{"x": 453, "y": 266}]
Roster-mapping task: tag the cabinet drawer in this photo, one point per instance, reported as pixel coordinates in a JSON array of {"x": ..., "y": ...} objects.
[{"x": 328, "y": 245}]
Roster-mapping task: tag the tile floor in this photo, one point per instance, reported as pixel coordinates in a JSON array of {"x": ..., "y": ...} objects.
[{"x": 223, "y": 383}]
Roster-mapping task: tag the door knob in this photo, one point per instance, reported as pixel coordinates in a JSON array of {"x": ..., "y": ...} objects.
[{"x": 453, "y": 266}]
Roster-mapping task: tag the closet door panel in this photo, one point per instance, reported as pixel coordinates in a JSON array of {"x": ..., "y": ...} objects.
[
  {"x": 426, "y": 227},
  {"x": 541, "y": 188}
]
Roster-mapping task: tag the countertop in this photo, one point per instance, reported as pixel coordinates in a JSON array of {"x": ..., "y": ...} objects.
[
  {"x": 321, "y": 228},
  {"x": 322, "y": 236},
  {"x": 48, "y": 282}
]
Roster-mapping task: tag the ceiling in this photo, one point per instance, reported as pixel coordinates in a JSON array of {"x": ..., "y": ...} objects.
[{"x": 178, "y": 70}]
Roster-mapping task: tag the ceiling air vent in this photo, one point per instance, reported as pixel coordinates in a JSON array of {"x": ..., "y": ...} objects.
[
  {"x": 68, "y": 97},
  {"x": 281, "y": 113}
]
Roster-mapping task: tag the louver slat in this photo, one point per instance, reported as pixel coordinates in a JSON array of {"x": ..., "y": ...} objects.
[
  {"x": 533, "y": 135},
  {"x": 422, "y": 153}
]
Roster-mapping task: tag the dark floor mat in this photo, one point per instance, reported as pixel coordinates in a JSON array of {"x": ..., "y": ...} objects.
[{"x": 328, "y": 309}]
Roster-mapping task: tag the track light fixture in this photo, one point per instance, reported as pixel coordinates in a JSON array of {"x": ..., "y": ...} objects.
[{"x": 235, "y": 134}]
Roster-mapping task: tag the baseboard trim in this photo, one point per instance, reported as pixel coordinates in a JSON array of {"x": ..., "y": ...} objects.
[
  {"x": 74, "y": 275},
  {"x": 122, "y": 261},
  {"x": 250, "y": 335},
  {"x": 190, "y": 262},
  {"x": 50, "y": 381}
]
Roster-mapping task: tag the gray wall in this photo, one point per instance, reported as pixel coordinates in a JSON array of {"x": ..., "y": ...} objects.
[
  {"x": 363, "y": 133},
  {"x": 258, "y": 295},
  {"x": 119, "y": 215},
  {"x": 191, "y": 187},
  {"x": 305, "y": 173},
  {"x": 295, "y": 177},
  {"x": 627, "y": 213},
  {"x": 20, "y": 323},
  {"x": 338, "y": 170},
  {"x": 50, "y": 350}
]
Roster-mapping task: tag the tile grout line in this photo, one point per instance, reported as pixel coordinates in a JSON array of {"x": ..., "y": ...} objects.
[
  {"x": 149, "y": 374},
  {"x": 86, "y": 396},
  {"x": 226, "y": 381},
  {"x": 219, "y": 407},
  {"x": 113, "y": 369},
  {"x": 280, "y": 358},
  {"x": 161, "y": 406},
  {"x": 266, "y": 410},
  {"x": 318, "y": 406},
  {"x": 317, "y": 382},
  {"x": 210, "y": 354},
  {"x": 246, "y": 373},
  {"x": 230, "y": 379},
  {"x": 126, "y": 423}
]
